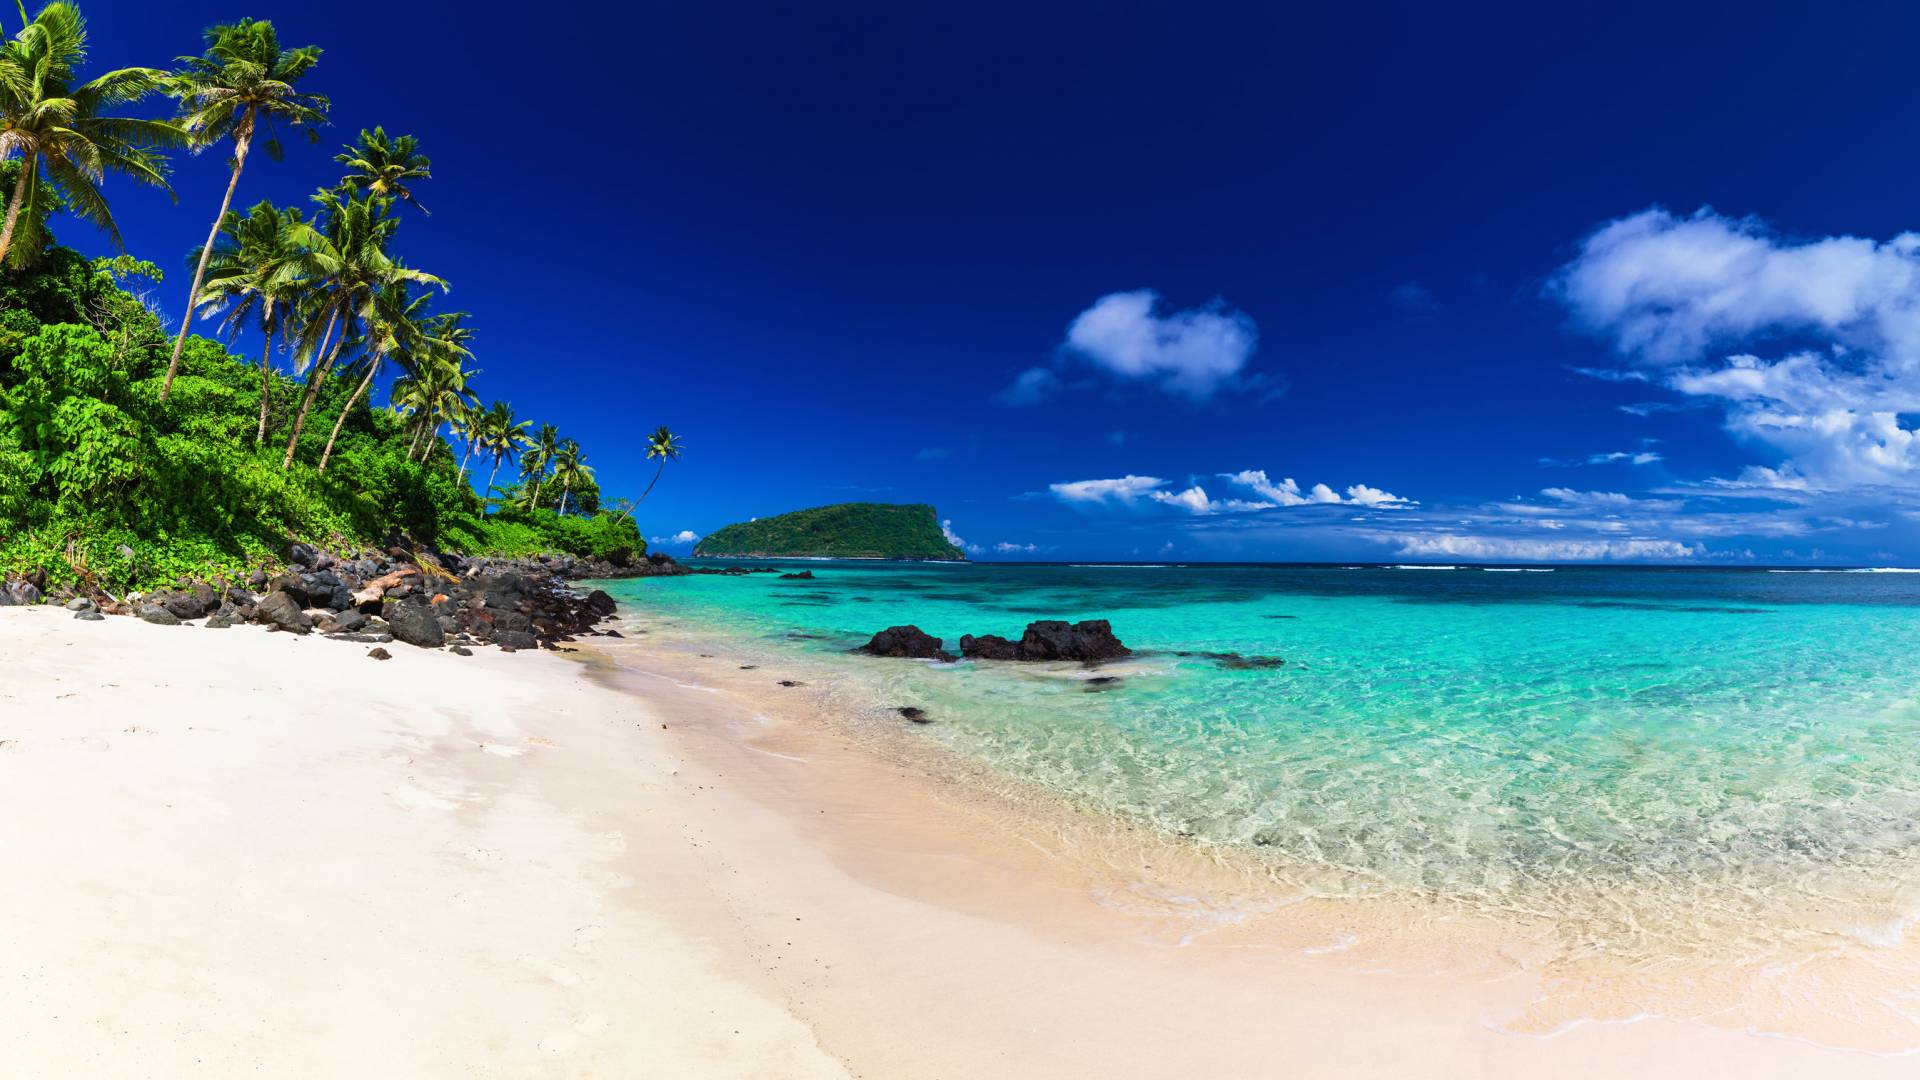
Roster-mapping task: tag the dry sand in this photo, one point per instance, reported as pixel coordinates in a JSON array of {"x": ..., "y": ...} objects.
[{"x": 254, "y": 854}]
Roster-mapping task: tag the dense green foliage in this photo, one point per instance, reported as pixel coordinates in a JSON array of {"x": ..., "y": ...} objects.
[
  {"x": 842, "y": 531},
  {"x": 131, "y": 457},
  {"x": 99, "y": 478}
]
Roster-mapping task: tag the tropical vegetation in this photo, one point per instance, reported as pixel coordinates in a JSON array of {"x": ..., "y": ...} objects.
[
  {"x": 134, "y": 453},
  {"x": 841, "y": 531}
]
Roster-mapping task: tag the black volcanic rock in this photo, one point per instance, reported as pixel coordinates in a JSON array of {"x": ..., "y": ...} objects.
[
  {"x": 907, "y": 642},
  {"x": 988, "y": 647},
  {"x": 1089, "y": 641}
]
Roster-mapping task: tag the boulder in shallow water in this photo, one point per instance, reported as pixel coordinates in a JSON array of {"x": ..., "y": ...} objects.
[
  {"x": 907, "y": 642},
  {"x": 988, "y": 647},
  {"x": 1089, "y": 641}
]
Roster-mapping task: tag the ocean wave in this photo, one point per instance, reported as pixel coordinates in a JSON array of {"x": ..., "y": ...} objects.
[{"x": 1854, "y": 570}]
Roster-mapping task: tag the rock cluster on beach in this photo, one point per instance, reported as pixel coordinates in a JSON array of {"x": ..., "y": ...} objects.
[
  {"x": 1090, "y": 641},
  {"x": 412, "y": 595}
]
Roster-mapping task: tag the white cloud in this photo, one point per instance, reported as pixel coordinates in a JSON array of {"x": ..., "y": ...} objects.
[
  {"x": 1520, "y": 549},
  {"x": 1192, "y": 353},
  {"x": 1125, "y": 489},
  {"x": 1611, "y": 457},
  {"x": 946, "y": 530},
  {"x": 684, "y": 536},
  {"x": 1289, "y": 493},
  {"x": 1194, "y": 499},
  {"x": 1670, "y": 292},
  {"x": 1129, "y": 489},
  {"x": 1007, "y": 547}
]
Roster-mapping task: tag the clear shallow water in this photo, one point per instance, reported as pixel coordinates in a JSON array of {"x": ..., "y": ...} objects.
[{"x": 1646, "y": 757}]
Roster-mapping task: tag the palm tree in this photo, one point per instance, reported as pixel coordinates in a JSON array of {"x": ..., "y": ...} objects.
[
  {"x": 534, "y": 463},
  {"x": 502, "y": 436},
  {"x": 383, "y": 166},
  {"x": 666, "y": 446},
  {"x": 394, "y": 324},
  {"x": 432, "y": 395},
  {"x": 240, "y": 85},
  {"x": 348, "y": 264},
  {"x": 253, "y": 274},
  {"x": 63, "y": 131},
  {"x": 569, "y": 465}
]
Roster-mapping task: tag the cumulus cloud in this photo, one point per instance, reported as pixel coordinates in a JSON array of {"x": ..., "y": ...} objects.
[
  {"x": 1008, "y": 547},
  {"x": 684, "y": 536},
  {"x": 1676, "y": 295},
  {"x": 1131, "y": 489},
  {"x": 1193, "y": 353},
  {"x": 1520, "y": 549},
  {"x": 946, "y": 530},
  {"x": 1289, "y": 493},
  {"x": 1124, "y": 489}
]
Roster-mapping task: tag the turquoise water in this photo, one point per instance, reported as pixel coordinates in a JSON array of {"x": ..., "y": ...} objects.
[{"x": 1642, "y": 753}]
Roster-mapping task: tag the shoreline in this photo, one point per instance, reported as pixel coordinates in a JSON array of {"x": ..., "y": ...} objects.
[{"x": 781, "y": 900}]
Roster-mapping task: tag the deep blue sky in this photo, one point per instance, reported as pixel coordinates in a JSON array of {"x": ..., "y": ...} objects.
[{"x": 822, "y": 241}]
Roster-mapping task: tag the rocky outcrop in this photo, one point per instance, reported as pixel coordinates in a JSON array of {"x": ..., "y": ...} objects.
[
  {"x": 908, "y": 642},
  {"x": 988, "y": 647},
  {"x": 1088, "y": 642},
  {"x": 804, "y": 575}
]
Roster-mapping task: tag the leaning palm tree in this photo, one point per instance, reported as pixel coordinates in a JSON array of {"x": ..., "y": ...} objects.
[
  {"x": 66, "y": 139},
  {"x": 383, "y": 166},
  {"x": 395, "y": 325},
  {"x": 253, "y": 276},
  {"x": 236, "y": 89},
  {"x": 666, "y": 446},
  {"x": 502, "y": 436},
  {"x": 431, "y": 396},
  {"x": 347, "y": 262},
  {"x": 570, "y": 465}
]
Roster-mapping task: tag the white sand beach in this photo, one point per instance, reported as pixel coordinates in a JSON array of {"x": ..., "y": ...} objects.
[{"x": 262, "y": 855}]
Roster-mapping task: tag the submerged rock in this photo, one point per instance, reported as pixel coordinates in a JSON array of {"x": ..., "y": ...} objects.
[
  {"x": 804, "y": 575},
  {"x": 917, "y": 715},
  {"x": 908, "y": 642}
]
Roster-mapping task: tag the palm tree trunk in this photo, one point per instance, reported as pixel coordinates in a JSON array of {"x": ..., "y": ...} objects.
[
  {"x": 266, "y": 387},
  {"x": 29, "y": 164},
  {"x": 656, "y": 479},
  {"x": 313, "y": 389},
  {"x": 241, "y": 142},
  {"x": 463, "y": 461},
  {"x": 372, "y": 367},
  {"x": 564, "y": 492},
  {"x": 492, "y": 476}
]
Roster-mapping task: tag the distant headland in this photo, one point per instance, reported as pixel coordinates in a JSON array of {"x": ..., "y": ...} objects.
[{"x": 841, "y": 531}]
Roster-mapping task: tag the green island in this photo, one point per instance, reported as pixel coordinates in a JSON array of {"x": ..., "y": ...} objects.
[
  {"x": 841, "y": 531},
  {"x": 132, "y": 454}
]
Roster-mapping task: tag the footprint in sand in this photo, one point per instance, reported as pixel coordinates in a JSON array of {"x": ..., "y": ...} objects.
[{"x": 587, "y": 938}]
